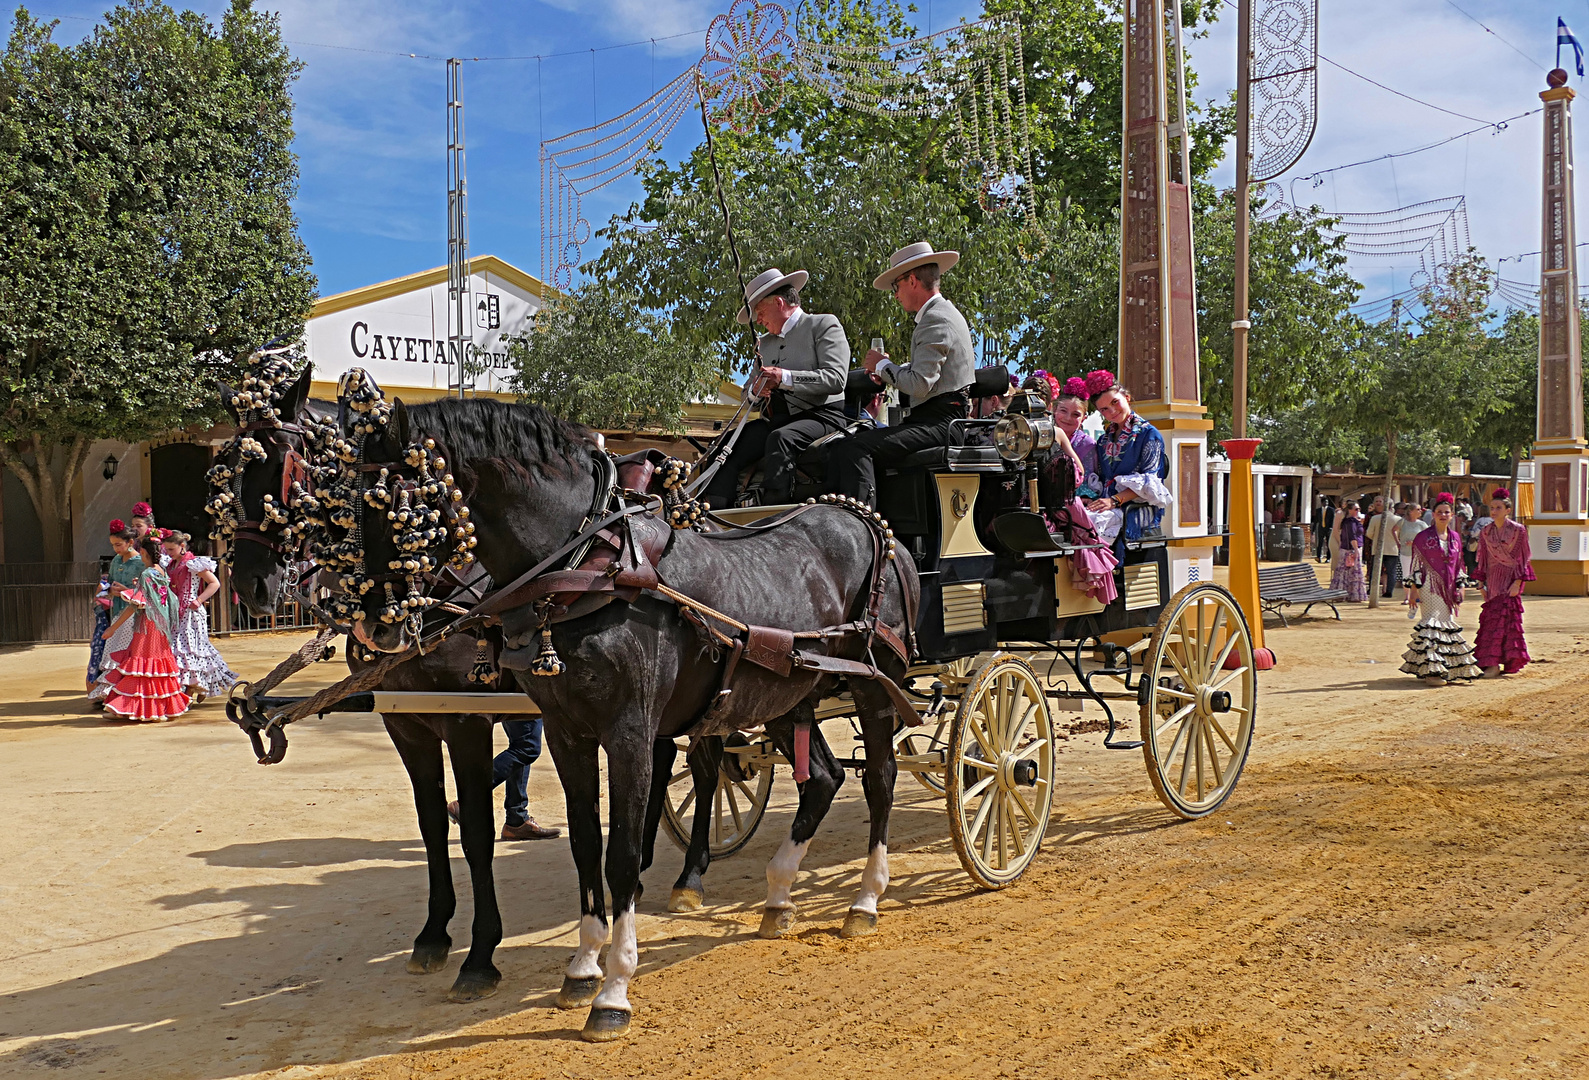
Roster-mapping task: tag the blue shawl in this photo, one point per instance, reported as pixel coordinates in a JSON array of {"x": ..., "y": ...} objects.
[{"x": 1130, "y": 449}]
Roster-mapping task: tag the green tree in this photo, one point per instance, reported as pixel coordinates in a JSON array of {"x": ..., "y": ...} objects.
[
  {"x": 147, "y": 235},
  {"x": 1300, "y": 351},
  {"x": 597, "y": 357}
]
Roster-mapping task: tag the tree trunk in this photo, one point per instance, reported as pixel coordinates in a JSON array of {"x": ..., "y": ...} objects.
[
  {"x": 1379, "y": 541},
  {"x": 49, "y": 487}
]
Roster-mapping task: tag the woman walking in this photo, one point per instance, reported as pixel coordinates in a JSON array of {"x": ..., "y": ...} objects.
[
  {"x": 1438, "y": 653},
  {"x": 1407, "y": 528},
  {"x": 1348, "y": 542},
  {"x": 193, "y": 579},
  {"x": 141, "y": 681},
  {"x": 123, "y": 573},
  {"x": 1503, "y": 567}
]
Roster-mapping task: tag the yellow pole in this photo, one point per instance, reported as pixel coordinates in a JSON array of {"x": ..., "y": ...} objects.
[{"x": 1244, "y": 544}]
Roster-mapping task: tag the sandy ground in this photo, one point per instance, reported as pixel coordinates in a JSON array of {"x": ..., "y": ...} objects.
[{"x": 1395, "y": 890}]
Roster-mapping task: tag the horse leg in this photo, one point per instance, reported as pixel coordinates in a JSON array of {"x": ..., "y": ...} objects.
[
  {"x": 420, "y": 749},
  {"x": 578, "y": 770},
  {"x": 877, "y": 736},
  {"x": 628, "y": 786},
  {"x": 663, "y": 751},
  {"x": 469, "y": 746},
  {"x": 705, "y": 759},
  {"x": 816, "y": 796}
]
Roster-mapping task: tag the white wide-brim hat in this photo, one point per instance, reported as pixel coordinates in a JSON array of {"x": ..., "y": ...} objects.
[
  {"x": 768, "y": 281},
  {"x": 908, "y": 258}
]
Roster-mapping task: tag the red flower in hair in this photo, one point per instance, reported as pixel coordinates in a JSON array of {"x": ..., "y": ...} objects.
[
  {"x": 1446, "y": 498},
  {"x": 1500, "y": 493},
  {"x": 1099, "y": 381},
  {"x": 117, "y": 525},
  {"x": 1076, "y": 386},
  {"x": 165, "y": 534},
  {"x": 143, "y": 510}
]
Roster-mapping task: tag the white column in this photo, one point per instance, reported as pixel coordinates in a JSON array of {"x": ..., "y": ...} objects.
[
  {"x": 1258, "y": 507},
  {"x": 1218, "y": 516}
]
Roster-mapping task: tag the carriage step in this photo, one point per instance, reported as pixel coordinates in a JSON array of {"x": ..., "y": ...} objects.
[{"x": 1135, "y": 744}]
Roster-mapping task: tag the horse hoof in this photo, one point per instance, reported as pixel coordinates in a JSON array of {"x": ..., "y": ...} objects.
[
  {"x": 605, "y": 1025},
  {"x": 685, "y": 900},
  {"x": 859, "y": 924},
  {"x": 428, "y": 959},
  {"x": 474, "y": 985},
  {"x": 577, "y": 993},
  {"x": 776, "y": 923}
]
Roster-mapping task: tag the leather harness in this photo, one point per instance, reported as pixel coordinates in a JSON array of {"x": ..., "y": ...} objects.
[{"x": 295, "y": 468}]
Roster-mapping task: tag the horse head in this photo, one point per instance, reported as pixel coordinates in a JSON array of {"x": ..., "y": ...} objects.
[{"x": 262, "y": 476}]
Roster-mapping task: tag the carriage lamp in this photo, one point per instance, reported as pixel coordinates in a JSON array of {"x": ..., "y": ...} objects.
[
  {"x": 1019, "y": 437},
  {"x": 108, "y": 469}
]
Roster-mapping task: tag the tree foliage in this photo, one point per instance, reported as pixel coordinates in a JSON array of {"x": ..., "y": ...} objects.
[
  {"x": 595, "y": 357},
  {"x": 148, "y": 237}
]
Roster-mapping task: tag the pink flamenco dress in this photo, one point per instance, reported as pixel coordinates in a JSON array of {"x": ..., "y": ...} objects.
[
  {"x": 1503, "y": 562},
  {"x": 141, "y": 681},
  {"x": 1092, "y": 564}
]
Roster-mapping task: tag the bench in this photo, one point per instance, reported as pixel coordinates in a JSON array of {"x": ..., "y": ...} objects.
[{"x": 1294, "y": 583}]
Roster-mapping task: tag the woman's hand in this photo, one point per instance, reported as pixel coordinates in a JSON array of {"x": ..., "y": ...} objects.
[
  {"x": 1098, "y": 506},
  {"x": 1516, "y": 589}
]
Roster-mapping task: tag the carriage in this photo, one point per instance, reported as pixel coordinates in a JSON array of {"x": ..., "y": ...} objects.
[{"x": 999, "y": 615}]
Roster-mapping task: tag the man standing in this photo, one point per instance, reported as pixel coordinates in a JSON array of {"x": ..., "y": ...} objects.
[
  {"x": 1390, "y": 568},
  {"x": 801, "y": 366},
  {"x": 512, "y": 767},
  {"x": 937, "y": 378},
  {"x": 1323, "y": 522}
]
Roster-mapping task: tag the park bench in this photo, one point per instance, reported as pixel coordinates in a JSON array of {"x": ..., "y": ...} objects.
[{"x": 1294, "y": 583}]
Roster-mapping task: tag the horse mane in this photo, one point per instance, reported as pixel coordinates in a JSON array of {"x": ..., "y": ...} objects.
[{"x": 522, "y": 433}]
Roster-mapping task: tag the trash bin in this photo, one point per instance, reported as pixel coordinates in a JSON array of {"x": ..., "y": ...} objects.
[
  {"x": 1299, "y": 544},
  {"x": 1276, "y": 543}
]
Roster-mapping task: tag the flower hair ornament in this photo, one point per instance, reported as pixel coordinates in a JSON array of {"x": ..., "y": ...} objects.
[
  {"x": 1099, "y": 381},
  {"x": 1049, "y": 383},
  {"x": 1501, "y": 493},
  {"x": 1075, "y": 386},
  {"x": 117, "y": 526},
  {"x": 143, "y": 510},
  {"x": 1445, "y": 498}
]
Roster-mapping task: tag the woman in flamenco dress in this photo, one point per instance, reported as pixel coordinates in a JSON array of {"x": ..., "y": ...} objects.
[
  {"x": 141, "y": 682},
  {"x": 1348, "y": 572},
  {"x": 1503, "y": 564},
  {"x": 1132, "y": 466},
  {"x": 1438, "y": 653},
  {"x": 1061, "y": 478},
  {"x": 204, "y": 673}
]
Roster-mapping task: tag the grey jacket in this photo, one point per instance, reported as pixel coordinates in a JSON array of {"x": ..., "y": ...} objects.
[
  {"x": 817, "y": 356},
  {"x": 942, "y": 359}
]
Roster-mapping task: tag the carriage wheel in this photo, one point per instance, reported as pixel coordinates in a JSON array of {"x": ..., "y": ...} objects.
[
  {"x": 1000, "y": 775},
  {"x": 1198, "y": 698},
  {"x": 738, "y": 805}
]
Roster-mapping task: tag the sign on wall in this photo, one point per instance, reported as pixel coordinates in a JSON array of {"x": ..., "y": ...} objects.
[{"x": 401, "y": 338}]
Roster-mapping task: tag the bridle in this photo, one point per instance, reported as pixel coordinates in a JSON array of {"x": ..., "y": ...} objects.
[{"x": 295, "y": 469}]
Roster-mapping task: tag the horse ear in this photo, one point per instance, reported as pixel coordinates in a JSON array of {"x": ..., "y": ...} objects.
[
  {"x": 227, "y": 394},
  {"x": 293, "y": 401},
  {"x": 400, "y": 421}
]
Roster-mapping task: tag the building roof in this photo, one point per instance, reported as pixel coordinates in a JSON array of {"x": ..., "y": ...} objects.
[{"x": 424, "y": 279}]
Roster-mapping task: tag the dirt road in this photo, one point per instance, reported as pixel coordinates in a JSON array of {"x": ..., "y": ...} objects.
[{"x": 1396, "y": 889}]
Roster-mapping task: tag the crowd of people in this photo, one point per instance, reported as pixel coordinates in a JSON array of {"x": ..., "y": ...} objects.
[
  {"x": 151, "y": 657},
  {"x": 1436, "y": 554}
]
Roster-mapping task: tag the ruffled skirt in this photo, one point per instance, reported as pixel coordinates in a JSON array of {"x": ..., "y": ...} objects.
[
  {"x": 96, "y": 644},
  {"x": 1438, "y": 648},
  {"x": 143, "y": 683},
  {"x": 199, "y": 664},
  {"x": 1348, "y": 575},
  {"x": 1500, "y": 641}
]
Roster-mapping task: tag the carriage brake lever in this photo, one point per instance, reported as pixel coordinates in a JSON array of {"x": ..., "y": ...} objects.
[{"x": 937, "y": 704}]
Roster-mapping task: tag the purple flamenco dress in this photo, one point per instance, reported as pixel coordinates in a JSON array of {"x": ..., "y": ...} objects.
[{"x": 1503, "y": 562}]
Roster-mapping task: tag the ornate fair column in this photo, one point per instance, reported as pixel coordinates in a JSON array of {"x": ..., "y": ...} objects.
[
  {"x": 1559, "y": 527},
  {"x": 1158, "y": 309}
]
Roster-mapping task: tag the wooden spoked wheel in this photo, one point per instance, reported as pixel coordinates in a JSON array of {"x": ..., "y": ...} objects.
[
  {"x": 738, "y": 804},
  {"x": 1000, "y": 775},
  {"x": 1198, "y": 699}
]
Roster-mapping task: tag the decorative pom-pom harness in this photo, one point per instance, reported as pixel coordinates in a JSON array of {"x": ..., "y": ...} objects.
[
  {"x": 285, "y": 519},
  {"x": 430, "y": 525}
]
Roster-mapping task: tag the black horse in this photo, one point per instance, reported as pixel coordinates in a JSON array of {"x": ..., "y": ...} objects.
[
  {"x": 637, "y": 672},
  {"x": 260, "y": 562}
]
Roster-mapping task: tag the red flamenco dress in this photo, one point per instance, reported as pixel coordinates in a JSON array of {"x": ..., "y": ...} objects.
[
  {"x": 142, "y": 680},
  {"x": 1504, "y": 564}
]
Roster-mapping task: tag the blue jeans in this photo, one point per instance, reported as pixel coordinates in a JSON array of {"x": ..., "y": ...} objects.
[{"x": 512, "y": 766}]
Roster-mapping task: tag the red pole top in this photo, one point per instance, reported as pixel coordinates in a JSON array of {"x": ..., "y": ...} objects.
[{"x": 1241, "y": 449}]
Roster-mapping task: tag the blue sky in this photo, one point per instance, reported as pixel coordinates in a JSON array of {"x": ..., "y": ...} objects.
[{"x": 371, "y": 132}]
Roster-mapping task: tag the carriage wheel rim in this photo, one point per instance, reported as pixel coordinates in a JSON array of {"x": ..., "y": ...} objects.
[
  {"x": 1000, "y": 777},
  {"x": 1197, "y": 730},
  {"x": 738, "y": 807}
]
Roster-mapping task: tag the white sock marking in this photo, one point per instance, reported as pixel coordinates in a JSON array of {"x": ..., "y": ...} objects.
[
  {"x": 874, "y": 881},
  {"x": 586, "y": 963},
  {"x": 782, "y": 871},
  {"x": 622, "y": 959}
]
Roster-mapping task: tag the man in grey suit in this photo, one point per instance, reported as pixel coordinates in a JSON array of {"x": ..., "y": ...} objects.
[
  {"x": 937, "y": 378},
  {"x": 800, "y": 370}
]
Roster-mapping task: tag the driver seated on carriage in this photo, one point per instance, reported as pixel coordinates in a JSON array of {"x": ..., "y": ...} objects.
[{"x": 802, "y": 363}]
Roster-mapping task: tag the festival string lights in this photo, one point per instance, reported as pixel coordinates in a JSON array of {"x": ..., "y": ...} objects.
[{"x": 972, "y": 75}]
